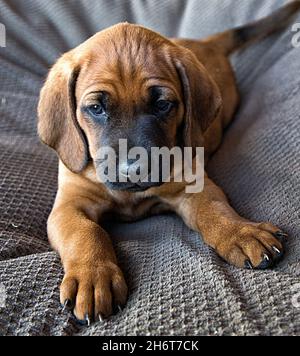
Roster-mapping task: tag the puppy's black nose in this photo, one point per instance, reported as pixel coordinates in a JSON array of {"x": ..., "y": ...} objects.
[{"x": 132, "y": 168}]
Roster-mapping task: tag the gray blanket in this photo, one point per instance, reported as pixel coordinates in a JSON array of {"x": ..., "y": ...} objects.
[{"x": 178, "y": 286}]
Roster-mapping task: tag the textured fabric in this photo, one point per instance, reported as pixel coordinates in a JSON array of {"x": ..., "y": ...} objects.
[{"x": 178, "y": 286}]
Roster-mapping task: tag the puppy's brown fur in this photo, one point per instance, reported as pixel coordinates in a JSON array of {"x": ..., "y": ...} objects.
[{"x": 125, "y": 61}]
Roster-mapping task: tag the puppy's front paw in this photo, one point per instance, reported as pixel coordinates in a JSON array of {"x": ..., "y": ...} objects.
[
  {"x": 252, "y": 246},
  {"x": 93, "y": 290}
]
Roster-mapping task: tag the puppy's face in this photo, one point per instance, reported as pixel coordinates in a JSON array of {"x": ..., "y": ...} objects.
[
  {"x": 130, "y": 93},
  {"x": 126, "y": 83}
]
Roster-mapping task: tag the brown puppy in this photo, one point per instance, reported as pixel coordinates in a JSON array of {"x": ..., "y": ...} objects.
[{"x": 128, "y": 82}]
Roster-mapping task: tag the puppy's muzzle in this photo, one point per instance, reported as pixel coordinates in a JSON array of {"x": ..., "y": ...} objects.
[{"x": 130, "y": 176}]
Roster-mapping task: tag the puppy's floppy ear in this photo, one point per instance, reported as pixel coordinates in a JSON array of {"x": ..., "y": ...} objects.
[
  {"x": 202, "y": 97},
  {"x": 57, "y": 123}
]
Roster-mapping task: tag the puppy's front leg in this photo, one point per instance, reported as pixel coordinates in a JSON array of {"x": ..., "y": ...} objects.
[
  {"x": 93, "y": 280},
  {"x": 240, "y": 242}
]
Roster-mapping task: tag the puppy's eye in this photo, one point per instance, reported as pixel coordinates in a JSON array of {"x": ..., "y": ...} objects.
[
  {"x": 163, "y": 106},
  {"x": 96, "y": 110}
]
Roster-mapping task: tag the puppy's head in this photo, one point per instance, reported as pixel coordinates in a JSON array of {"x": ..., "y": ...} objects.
[{"x": 125, "y": 83}]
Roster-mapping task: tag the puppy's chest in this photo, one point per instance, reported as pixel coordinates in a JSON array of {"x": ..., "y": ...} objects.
[{"x": 135, "y": 209}]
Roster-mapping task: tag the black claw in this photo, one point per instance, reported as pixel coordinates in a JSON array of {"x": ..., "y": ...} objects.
[
  {"x": 248, "y": 265},
  {"x": 85, "y": 322},
  {"x": 281, "y": 235},
  {"x": 101, "y": 318},
  {"x": 67, "y": 305},
  {"x": 278, "y": 253},
  {"x": 276, "y": 250},
  {"x": 266, "y": 263},
  {"x": 117, "y": 308},
  {"x": 81, "y": 322}
]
